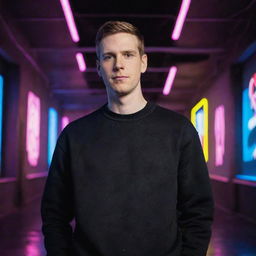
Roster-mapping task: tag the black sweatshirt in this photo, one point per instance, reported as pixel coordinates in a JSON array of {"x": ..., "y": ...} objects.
[{"x": 136, "y": 185}]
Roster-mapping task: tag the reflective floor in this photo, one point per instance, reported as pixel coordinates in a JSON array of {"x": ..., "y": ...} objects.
[{"x": 20, "y": 234}]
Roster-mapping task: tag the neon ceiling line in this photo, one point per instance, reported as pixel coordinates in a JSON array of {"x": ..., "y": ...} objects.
[
  {"x": 70, "y": 20},
  {"x": 81, "y": 62},
  {"x": 181, "y": 19},
  {"x": 169, "y": 80}
]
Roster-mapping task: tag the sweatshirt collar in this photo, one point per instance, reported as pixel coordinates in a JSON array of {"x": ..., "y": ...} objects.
[{"x": 146, "y": 110}]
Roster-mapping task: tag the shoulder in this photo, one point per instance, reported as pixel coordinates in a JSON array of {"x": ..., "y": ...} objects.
[
  {"x": 78, "y": 128},
  {"x": 170, "y": 116},
  {"x": 83, "y": 122},
  {"x": 176, "y": 123}
]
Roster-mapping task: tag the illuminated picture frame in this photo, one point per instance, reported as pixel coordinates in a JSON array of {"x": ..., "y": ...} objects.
[
  {"x": 199, "y": 118},
  {"x": 33, "y": 129},
  {"x": 219, "y": 133},
  {"x": 249, "y": 121}
]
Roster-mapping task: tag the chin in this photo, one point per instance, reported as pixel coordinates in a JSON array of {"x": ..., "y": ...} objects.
[{"x": 122, "y": 91}]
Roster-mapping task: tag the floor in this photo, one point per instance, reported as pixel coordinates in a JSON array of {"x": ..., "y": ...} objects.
[{"x": 20, "y": 234}]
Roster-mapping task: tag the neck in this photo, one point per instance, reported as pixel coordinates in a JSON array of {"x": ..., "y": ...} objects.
[{"x": 126, "y": 104}]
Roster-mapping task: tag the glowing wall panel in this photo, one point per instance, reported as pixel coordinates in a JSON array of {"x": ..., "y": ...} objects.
[
  {"x": 199, "y": 118},
  {"x": 219, "y": 132},
  {"x": 52, "y": 132},
  {"x": 33, "y": 129},
  {"x": 1, "y": 116},
  {"x": 64, "y": 122}
]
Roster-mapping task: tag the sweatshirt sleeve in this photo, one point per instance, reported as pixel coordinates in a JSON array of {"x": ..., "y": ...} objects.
[
  {"x": 56, "y": 206},
  {"x": 195, "y": 203}
]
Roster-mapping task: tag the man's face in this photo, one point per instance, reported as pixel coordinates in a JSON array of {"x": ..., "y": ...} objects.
[{"x": 120, "y": 64}]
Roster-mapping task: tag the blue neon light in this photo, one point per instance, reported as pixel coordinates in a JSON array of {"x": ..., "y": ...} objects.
[
  {"x": 248, "y": 146},
  {"x": 1, "y": 115},
  {"x": 52, "y": 132},
  {"x": 246, "y": 177}
]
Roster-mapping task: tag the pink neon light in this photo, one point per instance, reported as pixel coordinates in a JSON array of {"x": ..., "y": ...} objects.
[
  {"x": 81, "y": 62},
  {"x": 70, "y": 20},
  {"x": 252, "y": 92},
  {"x": 33, "y": 129},
  {"x": 169, "y": 80},
  {"x": 64, "y": 122},
  {"x": 219, "y": 130},
  {"x": 181, "y": 19}
]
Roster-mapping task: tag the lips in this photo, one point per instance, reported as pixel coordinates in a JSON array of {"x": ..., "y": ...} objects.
[{"x": 120, "y": 77}]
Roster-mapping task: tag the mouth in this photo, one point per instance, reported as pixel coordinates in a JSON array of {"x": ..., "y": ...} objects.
[{"x": 119, "y": 77}]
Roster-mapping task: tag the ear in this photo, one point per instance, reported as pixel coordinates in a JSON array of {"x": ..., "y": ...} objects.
[
  {"x": 98, "y": 67},
  {"x": 144, "y": 63}
]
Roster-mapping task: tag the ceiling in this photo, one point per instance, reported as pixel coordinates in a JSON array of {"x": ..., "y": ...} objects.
[{"x": 214, "y": 32}]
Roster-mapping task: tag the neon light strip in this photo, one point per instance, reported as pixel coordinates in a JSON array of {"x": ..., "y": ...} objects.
[
  {"x": 203, "y": 103},
  {"x": 64, "y": 122},
  {"x": 1, "y": 116},
  {"x": 80, "y": 61},
  {"x": 52, "y": 132},
  {"x": 246, "y": 177},
  {"x": 219, "y": 178},
  {"x": 169, "y": 80},
  {"x": 181, "y": 19},
  {"x": 70, "y": 20}
]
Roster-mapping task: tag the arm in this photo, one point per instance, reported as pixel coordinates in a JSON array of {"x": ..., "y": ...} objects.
[
  {"x": 195, "y": 202},
  {"x": 56, "y": 207}
]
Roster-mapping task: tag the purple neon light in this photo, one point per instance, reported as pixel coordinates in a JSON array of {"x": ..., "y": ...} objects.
[
  {"x": 33, "y": 129},
  {"x": 181, "y": 18},
  {"x": 70, "y": 20},
  {"x": 169, "y": 80},
  {"x": 219, "y": 131},
  {"x": 80, "y": 61}
]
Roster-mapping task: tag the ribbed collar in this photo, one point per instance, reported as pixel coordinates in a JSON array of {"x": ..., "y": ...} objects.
[{"x": 148, "y": 108}]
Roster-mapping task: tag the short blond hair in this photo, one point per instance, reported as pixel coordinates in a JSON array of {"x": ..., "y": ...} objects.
[{"x": 114, "y": 27}]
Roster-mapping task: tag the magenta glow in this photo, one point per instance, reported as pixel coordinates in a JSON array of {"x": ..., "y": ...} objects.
[
  {"x": 219, "y": 131},
  {"x": 169, "y": 80},
  {"x": 70, "y": 20},
  {"x": 81, "y": 62},
  {"x": 181, "y": 19},
  {"x": 64, "y": 122},
  {"x": 33, "y": 129}
]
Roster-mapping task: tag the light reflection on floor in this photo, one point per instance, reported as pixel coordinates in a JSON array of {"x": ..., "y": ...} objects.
[{"x": 33, "y": 244}]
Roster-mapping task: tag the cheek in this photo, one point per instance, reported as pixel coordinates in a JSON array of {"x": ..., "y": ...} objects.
[{"x": 104, "y": 71}]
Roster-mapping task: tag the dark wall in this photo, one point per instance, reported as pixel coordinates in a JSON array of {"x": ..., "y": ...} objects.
[
  {"x": 17, "y": 185},
  {"x": 229, "y": 193},
  {"x": 245, "y": 203}
]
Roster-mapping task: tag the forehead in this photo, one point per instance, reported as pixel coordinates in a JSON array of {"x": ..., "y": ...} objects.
[{"x": 119, "y": 42}]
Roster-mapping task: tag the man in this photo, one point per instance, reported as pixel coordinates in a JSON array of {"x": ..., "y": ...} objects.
[{"x": 132, "y": 174}]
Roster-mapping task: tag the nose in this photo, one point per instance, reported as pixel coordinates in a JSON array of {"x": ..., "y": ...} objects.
[{"x": 118, "y": 63}]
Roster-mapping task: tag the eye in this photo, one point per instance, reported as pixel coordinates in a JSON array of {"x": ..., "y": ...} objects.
[
  {"x": 107, "y": 57},
  {"x": 128, "y": 55}
]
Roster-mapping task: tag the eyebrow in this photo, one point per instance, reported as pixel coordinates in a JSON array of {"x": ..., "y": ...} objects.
[{"x": 125, "y": 51}]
